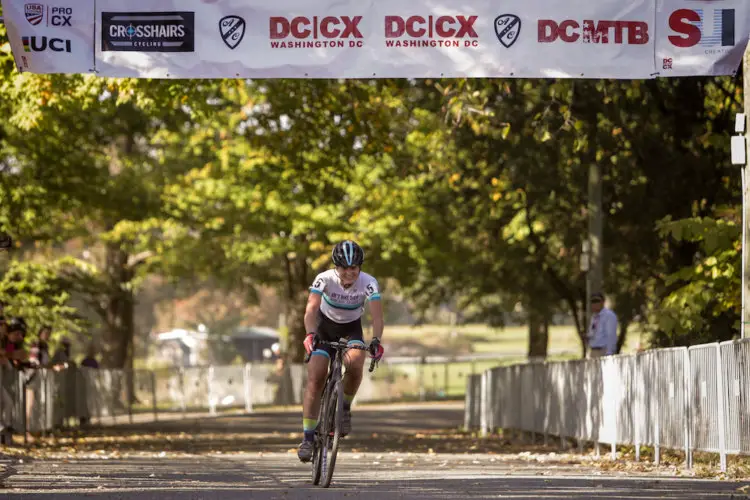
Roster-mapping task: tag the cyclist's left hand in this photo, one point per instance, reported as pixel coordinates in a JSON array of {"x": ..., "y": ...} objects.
[{"x": 376, "y": 350}]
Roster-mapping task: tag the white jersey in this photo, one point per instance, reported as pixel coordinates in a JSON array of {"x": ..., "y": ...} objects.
[{"x": 344, "y": 305}]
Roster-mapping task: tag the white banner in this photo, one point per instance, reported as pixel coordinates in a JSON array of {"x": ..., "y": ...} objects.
[
  {"x": 366, "y": 39},
  {"x": 538, "y": 38},
  {"x": 701, "y": 37},
  {"x": 378, "y": 39},
  {"x": 54, "y": 36}
]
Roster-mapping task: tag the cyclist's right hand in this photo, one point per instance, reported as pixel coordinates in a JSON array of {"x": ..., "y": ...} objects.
[{"x": 309, "y": 343}]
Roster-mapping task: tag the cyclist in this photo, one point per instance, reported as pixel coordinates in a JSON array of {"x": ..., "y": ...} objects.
[{"x": 334, "y": 310}]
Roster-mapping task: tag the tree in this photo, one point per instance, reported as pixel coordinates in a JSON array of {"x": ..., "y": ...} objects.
[
  {"x": 87, "y": 159},
  {"x": 276, "y": 192}
]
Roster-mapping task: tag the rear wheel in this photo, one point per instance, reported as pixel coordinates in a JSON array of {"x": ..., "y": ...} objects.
[{"x": 335, "y": 410}]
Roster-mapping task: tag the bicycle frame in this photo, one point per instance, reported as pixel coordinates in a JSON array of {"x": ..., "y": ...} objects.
[{"x": 329, "y": 417}]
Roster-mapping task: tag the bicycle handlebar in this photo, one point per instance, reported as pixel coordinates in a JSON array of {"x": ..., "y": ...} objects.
[{"x": 342, "y": 346}]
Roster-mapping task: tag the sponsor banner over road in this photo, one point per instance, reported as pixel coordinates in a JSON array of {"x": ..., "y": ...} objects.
[
  {"x": 366, "y": 39},
  {"x": 356, "y": 39}
]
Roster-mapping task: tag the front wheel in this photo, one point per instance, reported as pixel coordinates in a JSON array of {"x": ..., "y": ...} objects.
[
  {"x": 335, "y": 410},
  {"x": 319, "y": 442}
]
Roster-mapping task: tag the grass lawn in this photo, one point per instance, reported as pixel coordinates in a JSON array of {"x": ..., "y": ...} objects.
[
  {"x": 441, "y": 380},
  {"x": 439, "y": 339}
]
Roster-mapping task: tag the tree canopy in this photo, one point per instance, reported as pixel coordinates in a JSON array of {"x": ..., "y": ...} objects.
[{"x": 471, "y": 192}]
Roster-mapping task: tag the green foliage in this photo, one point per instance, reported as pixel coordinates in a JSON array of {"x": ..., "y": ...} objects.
[
  {"x": 702, "y": 303},
  {"x": 466, "y": 192},
  {"x": 34, "y": 291}
]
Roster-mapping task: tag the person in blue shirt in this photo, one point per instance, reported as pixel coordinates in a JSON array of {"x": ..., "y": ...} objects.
[{"x": 602, "y": 334}]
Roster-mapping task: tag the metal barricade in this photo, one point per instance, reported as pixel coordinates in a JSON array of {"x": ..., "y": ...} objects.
[
  {"x": 11, "y": 414},
  {"x": 669, "y": 392},
  {"x": 704, "y": 403},
  {"x": 695, "y": 398},
  {"x": 226, "y": 387},
  {"x": 735, "y": 358}
]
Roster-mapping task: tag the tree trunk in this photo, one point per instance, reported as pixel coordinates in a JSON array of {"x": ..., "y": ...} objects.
[
  {"x": 296, "y": 302},
  {"x": 538, "y": 334},
  {"x": 295, "y": 320},
  {"x": 120, "y": 308},
  {"x": 623, "y": 324},
  {"x": 582, "y": 328}
]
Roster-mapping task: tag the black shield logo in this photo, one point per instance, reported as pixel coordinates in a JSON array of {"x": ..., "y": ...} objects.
[
  {"x": 507, "y": 29},
  {"x": 232, "y": 29}
]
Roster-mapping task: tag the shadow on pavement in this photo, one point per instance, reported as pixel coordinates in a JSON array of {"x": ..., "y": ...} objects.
[
  {"x": 419, "y": 430},
  {"x": 394, "y": 453},
  {"x": 225, "y": 484}
]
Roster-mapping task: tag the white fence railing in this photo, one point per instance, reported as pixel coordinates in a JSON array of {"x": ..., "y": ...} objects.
[
  {"x": 43, "y": 400},
  {"x": 695, "y": 399}
]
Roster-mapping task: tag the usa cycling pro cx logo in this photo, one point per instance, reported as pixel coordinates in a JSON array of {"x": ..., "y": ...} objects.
[
  {"x": 34, "y": 13},
  {"x": 232, "y": 29},
  {"x": 56, "y": 15},
  {"x": 507, "y": 29}
]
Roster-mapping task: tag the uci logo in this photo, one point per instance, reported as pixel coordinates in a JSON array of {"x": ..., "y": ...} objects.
[{"x": 42, "y": 43}]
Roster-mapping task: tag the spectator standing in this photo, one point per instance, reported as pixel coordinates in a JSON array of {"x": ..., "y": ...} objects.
[
  {"x": 90, "y": 360},
  {"x": 84, "y": 413},
  {"x": 14, "y": 348},
  {"x": 40, "y": 349},
  {"x": 62, "y": 359},
  {"x": 602, "y": 335},
  {"x": 3, "y": 340}
]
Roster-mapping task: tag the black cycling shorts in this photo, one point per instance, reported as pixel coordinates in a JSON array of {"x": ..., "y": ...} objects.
[{"x": 330, "y": 330}]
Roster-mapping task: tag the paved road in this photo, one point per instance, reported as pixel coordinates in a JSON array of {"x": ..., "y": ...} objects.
[{"x": 397, "y": 452}]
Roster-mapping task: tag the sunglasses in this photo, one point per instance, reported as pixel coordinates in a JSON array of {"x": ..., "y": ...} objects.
[{"x": 349, "y": 268}]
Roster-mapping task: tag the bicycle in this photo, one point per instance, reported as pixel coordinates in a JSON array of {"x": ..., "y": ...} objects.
[{"x": 328, "y": 432}]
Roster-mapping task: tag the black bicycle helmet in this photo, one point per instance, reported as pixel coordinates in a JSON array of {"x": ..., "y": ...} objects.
[{"x": 347, "y": 253}]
